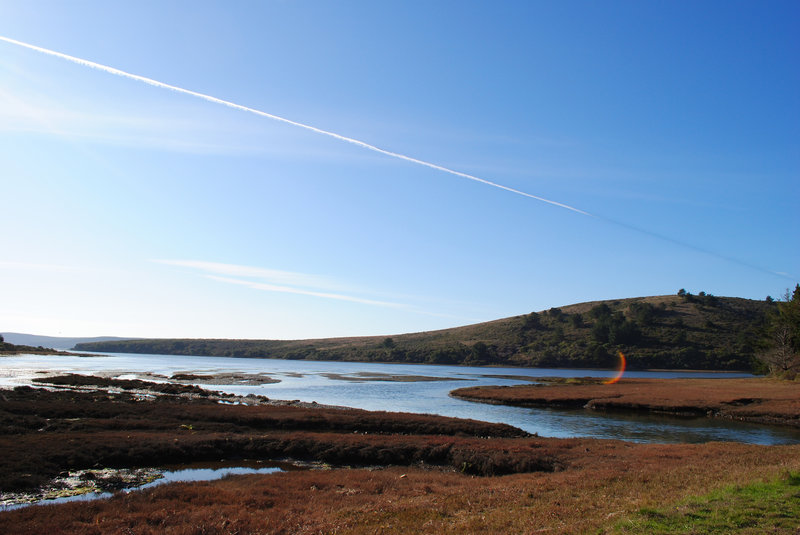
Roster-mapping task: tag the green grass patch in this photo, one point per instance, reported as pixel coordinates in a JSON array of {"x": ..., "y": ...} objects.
[{"x": 772, "y": 507}]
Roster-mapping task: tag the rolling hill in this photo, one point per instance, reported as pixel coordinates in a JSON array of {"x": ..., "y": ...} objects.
[{"x": 671, "y": 332}]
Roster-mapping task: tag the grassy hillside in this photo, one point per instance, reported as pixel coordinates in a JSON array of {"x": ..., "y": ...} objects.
[{"x": 678, "y": 332}]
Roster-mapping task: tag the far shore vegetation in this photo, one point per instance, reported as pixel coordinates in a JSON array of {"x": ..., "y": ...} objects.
[
  {"x": 681, "y": 332},
  {"x": 14, "y": 349}
]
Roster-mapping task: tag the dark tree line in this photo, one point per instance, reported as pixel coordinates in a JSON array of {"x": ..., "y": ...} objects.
[{"x": 781, "y": 347}]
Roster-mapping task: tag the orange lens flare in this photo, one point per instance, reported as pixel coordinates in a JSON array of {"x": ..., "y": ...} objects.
[{"x": 620, "y": 370}]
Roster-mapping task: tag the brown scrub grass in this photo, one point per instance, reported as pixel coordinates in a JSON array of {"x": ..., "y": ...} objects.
[
  {"x": 413, "y": 473},
  {"x": 608, "y": 483},
  {"x": 757, "y": 400},
  {"x": 43, "y": 433}
]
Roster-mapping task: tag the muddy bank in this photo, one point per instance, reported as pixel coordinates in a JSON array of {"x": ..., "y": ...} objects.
[
  {"x": 754, "y": 400},
  {"x": 395, "y": 378},
  {"x": 250, "y": 379},
  {"x": 68, "y": 484},
  {"x": 92, "y": 382}
]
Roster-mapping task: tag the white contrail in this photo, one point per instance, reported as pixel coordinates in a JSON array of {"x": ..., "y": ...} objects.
[
  {"x": 365, "y": 145},
  {"x": 216, "y": 100}
]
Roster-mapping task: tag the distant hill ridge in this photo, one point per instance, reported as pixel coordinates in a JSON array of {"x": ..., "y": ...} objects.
[
  {"x": 55, "y": 342},
  {"x": 682, "y": 331}
]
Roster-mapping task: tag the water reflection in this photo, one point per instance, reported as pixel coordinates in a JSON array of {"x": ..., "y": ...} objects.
[{"x": 656, "y": 428}]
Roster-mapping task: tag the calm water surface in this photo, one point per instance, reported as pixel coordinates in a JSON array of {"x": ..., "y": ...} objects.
[
  {"x": 167, "y": 476},
  {"x": 321, "y": 382}
]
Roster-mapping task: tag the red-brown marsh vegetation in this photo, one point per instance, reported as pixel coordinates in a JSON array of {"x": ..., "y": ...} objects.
[
  {"x": 603, "y": 482},
  {"x": 44, "y": 432},
  {"x": 426, "y": 474},
  {"x": 758, "y": 400}
]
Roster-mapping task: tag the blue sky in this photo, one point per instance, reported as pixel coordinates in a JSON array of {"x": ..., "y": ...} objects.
[{"x": 132, "y": 210}]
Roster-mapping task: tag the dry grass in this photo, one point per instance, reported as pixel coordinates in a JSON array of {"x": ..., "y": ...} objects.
[
  {"x": 421, "y": 482},
  {"x": 603, "y": 485},
  {"x": 690, "y": 332}
]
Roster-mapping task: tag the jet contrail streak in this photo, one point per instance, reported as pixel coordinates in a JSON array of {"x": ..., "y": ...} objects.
[
  {"x": 367, "y": 146},
  {"x": 340, "y": 137}
]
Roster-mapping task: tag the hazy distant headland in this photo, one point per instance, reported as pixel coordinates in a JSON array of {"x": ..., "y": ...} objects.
[
  {"x": 683, "y": 331},
  {"x": 55, "y": 342}
]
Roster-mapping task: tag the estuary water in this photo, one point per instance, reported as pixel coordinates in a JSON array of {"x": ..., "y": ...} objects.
[{"x": 407, "y": 388}]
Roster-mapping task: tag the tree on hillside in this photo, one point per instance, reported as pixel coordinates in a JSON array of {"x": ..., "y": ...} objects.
[
  {"x": 782, "y": 336},
  {"x": 531, "y": 321},
  {"x": 644, "y": 313}
]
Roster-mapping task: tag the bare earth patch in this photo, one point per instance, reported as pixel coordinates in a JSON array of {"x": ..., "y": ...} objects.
[
  {"x": 396, "y": 378},
  {"x": 250, "y": 379}
]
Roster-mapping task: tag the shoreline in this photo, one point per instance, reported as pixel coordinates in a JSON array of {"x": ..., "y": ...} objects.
[
  {"x": 74, "y": 352},
  {"x": 46, "y": 352}
]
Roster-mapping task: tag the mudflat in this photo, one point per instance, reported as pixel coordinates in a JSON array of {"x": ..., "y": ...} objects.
[{"x": 756, "y": 400}]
